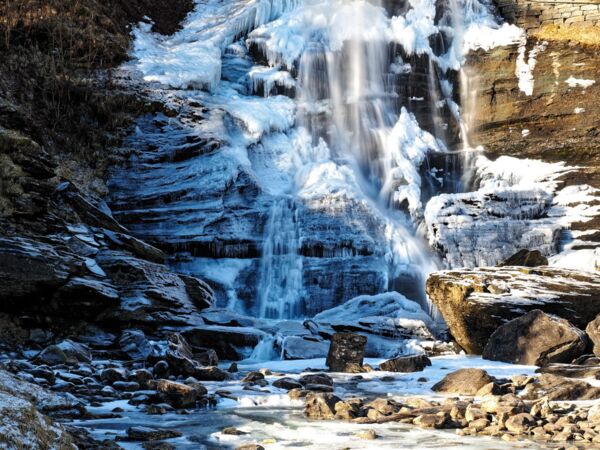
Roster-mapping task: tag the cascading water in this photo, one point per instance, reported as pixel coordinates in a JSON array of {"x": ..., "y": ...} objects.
[
  {"x": 325, "y": 112},
  {"x": 280, "y": 283}
]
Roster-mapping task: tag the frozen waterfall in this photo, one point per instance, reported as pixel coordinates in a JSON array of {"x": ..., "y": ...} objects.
[{"x": 295, "y": 174}]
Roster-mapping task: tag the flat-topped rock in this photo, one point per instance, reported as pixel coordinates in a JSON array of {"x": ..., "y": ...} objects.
[{"x": 475, "y": 302}]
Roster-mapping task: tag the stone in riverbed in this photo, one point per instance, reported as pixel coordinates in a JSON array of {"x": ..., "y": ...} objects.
[
  {"x": 320, "y": 406},
  {"x": 150, "y": 434},
  {"x": 178, "y": 395},
  {"x": 287, "y": 383},
  {"x": 346, "y": 351},
  {"x": 520, "y": 423},
  {"x": 535, "y": 338},
  {"x": 412, "y": 363},
  {"x": 559, "y": 388},
  {"x": 66, "y": 352},
  {"x": 304, "y": 347},
  {"x": 316, "y": 378},
  {"x": 463, "y": 382}
]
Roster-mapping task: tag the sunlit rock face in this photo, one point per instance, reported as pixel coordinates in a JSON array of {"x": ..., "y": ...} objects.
[
  {"x": 287, "y": 168},
  {"x": 536, "y": 102}
]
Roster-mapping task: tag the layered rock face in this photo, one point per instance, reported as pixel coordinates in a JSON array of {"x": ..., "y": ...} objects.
[
  {"x": 476, "y": 302},
  {"x": 536, "y": 101}
]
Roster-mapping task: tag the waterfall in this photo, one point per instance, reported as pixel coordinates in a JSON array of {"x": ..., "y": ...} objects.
[
  {"x": 280, "y": 280},
  {"x": 326, "y": 113}
]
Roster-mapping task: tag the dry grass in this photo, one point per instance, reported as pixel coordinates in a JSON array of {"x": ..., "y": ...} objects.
[{"x": 580, "y": 34}]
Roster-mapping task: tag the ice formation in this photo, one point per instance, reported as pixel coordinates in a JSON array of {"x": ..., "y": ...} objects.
[{"x": 296, "y": 174}]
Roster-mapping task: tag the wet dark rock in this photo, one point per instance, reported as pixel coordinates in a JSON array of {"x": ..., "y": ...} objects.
[
  {"x": 206, "y": 357},
  {"x": 201, "y": 293},
  {"x": 253, "y": 377},
  {"x": 30, "y": 270},
  {"x": 413, "y": 363},
  {"x": 142, "y": 376},
  {"x": 287, "y": 383},
  {"x": 318, "y": 387},
  {"x": 210, "y": 374},
  {"x": 112, "y": 374},
  {"x": 535, "y": 338},
  {"x": 127, "y": 386},
  {"x": 250, "y": 447},
  {"x": 346, "y": 351},
  {"x": 150, "y": 434},
  {"x": 161, "y": 369},
  {"x": 66, "y": 352},
  {"x": 316, "y": 378},
  {"x": 463, "y": 382},
  {"x": 135, "y": 345},
  {"x": 526, "y": 258},
  {"x": 233, "y": 368},
  {"x": 84, "y": 298},
  {"x": 320, "y": 406},
  {"x": 136, "y": 246},
  {"x": 226, "y": 341},
  {"x": 158, "y": 445}
]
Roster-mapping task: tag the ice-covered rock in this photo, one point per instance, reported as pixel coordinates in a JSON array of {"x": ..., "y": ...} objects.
[
  {"x": 389, "y": 314},
  {"x": 475, "y": 302}
]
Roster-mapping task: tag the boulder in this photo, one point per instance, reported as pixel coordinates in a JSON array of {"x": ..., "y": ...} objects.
[
  {"x": 304, "y": 347},
  {"x": 316, "y": 378},
  {"x": 520, "y": 423},
  {"x": 463, "y": 382},
  {"x": 593, "y": 331},
  {"x": 135, "y": 345},
  {"x": 66, "y": 352},
  {"x": 201, "y": 293},
  {"x": 526, "y": 258},
  {"x": 347, "y": 350},
  {"x": 412, "y": 363},
  {"x": 320, "y": 405},
  {"x": 535, "y": 338},
  {"x": 287, "y": 383},
  {"x": 560, "y": 389},
  {"x": 177, "y": 395},
  {"x": 228, "y": 342},
  {"x": 476, "y": 302},
  {"x": 378, "y": 317},
  {"x": 84, "y": 298}
]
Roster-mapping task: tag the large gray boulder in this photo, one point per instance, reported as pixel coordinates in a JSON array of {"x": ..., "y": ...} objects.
[
  {"x": 476, "y": 302},
  {"x": 536, "y": 338}
]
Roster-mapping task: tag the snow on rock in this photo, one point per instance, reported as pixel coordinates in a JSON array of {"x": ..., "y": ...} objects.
[
  {"x": 579, "y": 82},
  {"x": 22, "y": 426},
  {"x": 526, "y": 63},
  {"x": 475, "y": 302},
  {"x": 393, "y": 324},
  {"x": 518, "y": 206}
]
